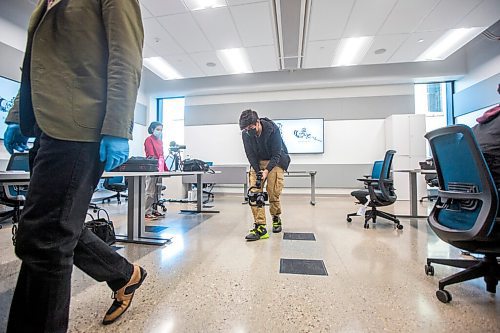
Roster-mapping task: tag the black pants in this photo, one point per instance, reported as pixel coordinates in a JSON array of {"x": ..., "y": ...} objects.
[{"x": 51, "y": 237}]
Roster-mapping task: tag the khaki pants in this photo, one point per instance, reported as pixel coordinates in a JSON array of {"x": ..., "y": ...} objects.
[
  {"x": 151, "y": 194},
  {"x": 274, "y": 186}
]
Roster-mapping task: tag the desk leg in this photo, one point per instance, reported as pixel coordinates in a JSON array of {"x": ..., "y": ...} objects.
[
  {"x": 199, "y": 199},
  {"x": 413, "y": 198},
  {"x": 135, "y": 215},
  {"x": 245, "y": 192},
  {"x": 313, "y": 188}
]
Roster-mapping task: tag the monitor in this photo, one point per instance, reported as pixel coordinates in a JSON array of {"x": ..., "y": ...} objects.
[
  {"x": 8, "y": 92},
  {"x": 302, "y": 136}
]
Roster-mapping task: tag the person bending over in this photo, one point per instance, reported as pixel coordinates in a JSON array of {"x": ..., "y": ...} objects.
[{"x": 268, "y": 156}]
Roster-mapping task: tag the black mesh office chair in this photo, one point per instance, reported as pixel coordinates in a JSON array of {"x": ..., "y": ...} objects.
[
  {"x": 117, "y": 185},
  {"x": 466, "y": 211},
  {"x": 430, "y": 178},
  {"x": 381, "y": 193},
  {"x": 12, "y": 195}
]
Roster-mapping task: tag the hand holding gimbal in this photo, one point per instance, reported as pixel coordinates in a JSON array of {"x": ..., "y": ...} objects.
[{"x": 257, "y": 199}]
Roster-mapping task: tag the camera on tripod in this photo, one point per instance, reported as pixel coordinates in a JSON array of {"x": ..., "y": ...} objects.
[{"x": 257, "y": 199}]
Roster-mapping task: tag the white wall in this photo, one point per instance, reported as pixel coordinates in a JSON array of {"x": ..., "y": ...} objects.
[{"x": 346, "y": 142}]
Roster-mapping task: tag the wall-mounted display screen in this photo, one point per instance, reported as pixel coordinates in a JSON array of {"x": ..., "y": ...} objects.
[
  {"x": 8, "y": 93},
  {"x": 302, "y": 136}
]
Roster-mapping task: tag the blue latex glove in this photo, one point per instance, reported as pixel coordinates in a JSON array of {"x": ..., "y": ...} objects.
[
  {"x": 114, "y": 151},
  {"x": 14, "y": 139}
]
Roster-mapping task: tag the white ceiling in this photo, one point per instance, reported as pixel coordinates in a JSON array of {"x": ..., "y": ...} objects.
[{"x": 188, "y": 39}]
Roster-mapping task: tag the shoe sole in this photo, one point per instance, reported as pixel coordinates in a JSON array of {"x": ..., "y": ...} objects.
[
  {"x": 266, "y": 236},
  {"x": 143, "y": 277}
]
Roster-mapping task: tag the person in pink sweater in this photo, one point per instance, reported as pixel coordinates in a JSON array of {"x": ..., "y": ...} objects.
[{"x": 153, "y": 147}]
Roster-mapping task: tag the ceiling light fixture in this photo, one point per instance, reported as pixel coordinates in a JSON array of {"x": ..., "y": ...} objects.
[
  {"x": 450, "y": 42},
  {"x": 235, "y": 61},
  {"x": 204, "y": 4},
  {"x": 352, "y": 50},
  {"x": 160, "y": 67}
]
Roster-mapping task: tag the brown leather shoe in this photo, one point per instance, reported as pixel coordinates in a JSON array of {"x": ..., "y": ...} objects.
[{"x": 123, "y": 297}]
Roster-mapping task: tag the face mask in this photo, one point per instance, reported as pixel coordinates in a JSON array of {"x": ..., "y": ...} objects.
[
  {"x": 157, "y": 134},
  {"x": 252, "y": 132}
]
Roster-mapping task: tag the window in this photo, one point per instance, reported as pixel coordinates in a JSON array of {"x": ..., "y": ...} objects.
[
  {"x": 171, "y": 115},
  {"x": 432, "y": 100}
]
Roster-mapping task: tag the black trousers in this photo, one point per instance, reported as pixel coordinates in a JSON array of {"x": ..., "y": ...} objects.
[{"x": 51, "y": 237}]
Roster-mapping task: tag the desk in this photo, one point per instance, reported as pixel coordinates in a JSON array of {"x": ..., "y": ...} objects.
[
  {"x": 413, "y": 191},
  {"x": 136, "y": 192},
  {"x": 311, "y": 174}
]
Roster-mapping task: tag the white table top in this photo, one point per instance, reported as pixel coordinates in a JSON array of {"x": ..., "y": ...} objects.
[{"x": 415, "y": 171}]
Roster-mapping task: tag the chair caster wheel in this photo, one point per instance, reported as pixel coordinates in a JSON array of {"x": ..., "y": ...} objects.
[
  {"x": 443, "y": 295},
  {"x": 164, "y": 209},
  {"x": 429, "y": 270},
  {"x": 366, "y": 226},
  {"x": 399, "y": 226},
  {"x": 349, "y": 219}
]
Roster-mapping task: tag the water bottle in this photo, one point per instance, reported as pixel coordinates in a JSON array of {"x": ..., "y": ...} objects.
[{"x": 161, "y": 164}]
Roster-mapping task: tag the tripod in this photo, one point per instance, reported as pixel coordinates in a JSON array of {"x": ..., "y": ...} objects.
[{"x": 176, "y": 160}]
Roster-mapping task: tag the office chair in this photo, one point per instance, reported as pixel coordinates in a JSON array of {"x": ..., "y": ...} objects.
[
  {"x": 430, "y": 178},
  {"x": 14, "y": 195},
  {"x": 380, "y": 190},
  {"x": 466, "y": 211},
  {"x": 115, "y": 184}
]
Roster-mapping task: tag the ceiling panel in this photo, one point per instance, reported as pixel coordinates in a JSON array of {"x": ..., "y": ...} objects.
[
  {"x": 406, "y": 16},
  {"x": 162, "y": 7},
  {"x": 367, "y": 17},
  {"x": 145, "y": 12},
  {"x": 328, "y": 19},
  {"x": 388, "y": 42},
  {"x": 447, "y": 14},
  {"x": 320, "y": 53},
  {"x": 184, "y": 66},
  {"x": 484, "y": 15},
  {"x": 202, "y": 58},
  {"x": 412, "y": 48},
  {"x": 219, "y": 28},
  {"x": 263, "y": 58},
  {"x": 156, "y": 37},
  {"x": 186, "y": 32},
  {"x": 254, "y": 34},
  {"x": 148, "y": 52}
]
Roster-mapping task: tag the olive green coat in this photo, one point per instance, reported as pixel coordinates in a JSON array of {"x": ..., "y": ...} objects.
[{"x": 81, "y": 70}]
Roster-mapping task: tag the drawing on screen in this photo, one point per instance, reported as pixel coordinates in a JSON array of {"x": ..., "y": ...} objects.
[
  {"x": 5, "y": 104},
  {"x": 302, "y": 134}
]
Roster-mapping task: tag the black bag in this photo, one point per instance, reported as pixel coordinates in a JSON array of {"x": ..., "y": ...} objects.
[
  {"x": 135, "y": 164},
  {"x": 102, "y": 227},
  {"x": 195, "y": 165}
]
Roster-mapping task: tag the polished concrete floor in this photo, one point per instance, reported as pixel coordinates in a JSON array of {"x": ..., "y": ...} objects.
[{"x": 210, "y": 280}]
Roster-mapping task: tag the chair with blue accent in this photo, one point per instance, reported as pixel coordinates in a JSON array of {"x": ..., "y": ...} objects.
[
  {"x": 466, "y": 211},
  {"x": 378, "y": 192},
  {"x": 14, "y": 195},
  {"x": 116, "y": 184}
]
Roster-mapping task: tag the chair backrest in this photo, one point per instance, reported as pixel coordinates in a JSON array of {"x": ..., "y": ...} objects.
[
  {"x": 385, "y": 193},
  {"x": 377, "y": 168},
  {"x": 467, "y": 198},
  {"x": 115, "y": 183},
  {"x": 19, "y": 162}
]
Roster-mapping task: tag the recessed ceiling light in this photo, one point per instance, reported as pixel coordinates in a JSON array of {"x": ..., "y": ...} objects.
[
  {"x": 204, "y": 4},
  {"x": 235, "y": 61},
  {"x": 420, "y": 40},
  {"x": 352, "y": 50},
  {"x": 211, "y": 64},
  {"x": 447, "y": 44},
  {"x": 160, "y": 67},
  {"x": 380, "y": 51}
]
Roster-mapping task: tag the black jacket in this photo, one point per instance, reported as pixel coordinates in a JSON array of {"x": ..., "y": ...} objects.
[{"x": 268, "y": 146}]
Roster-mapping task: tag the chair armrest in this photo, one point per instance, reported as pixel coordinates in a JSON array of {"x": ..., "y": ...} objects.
[
  {"x": 459, "y": 195},
  {"x": 368, "y": 180}
]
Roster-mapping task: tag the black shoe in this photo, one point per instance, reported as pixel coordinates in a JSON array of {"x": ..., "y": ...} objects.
[
  {"x": 276, "y": 224},
  {"x": 123, "y": 296},
  {"x": 258, "y": 232}
]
